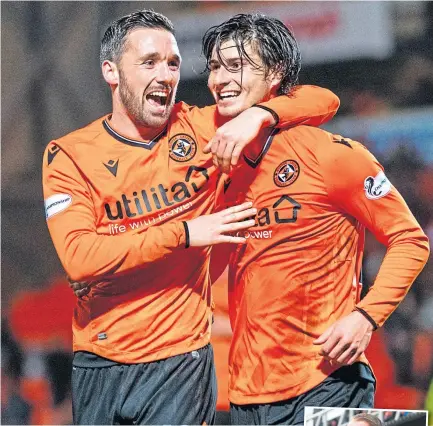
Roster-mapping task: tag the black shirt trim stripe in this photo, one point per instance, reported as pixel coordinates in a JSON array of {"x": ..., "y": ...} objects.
[
  {"x": 254, "y": 163},
  {"x": 132, "y": 142}
]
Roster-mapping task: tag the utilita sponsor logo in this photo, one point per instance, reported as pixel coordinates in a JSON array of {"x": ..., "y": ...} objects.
[
  {"x": 158, "y": 197},
  {"x": 284, "y": 210},
  {"x": 115, "y": 228}
]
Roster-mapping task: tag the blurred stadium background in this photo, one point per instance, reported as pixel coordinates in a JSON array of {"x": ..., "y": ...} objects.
[{"x": 376, "y": 56}]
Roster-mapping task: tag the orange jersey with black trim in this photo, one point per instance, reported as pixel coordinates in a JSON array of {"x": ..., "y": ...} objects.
[
  {"x": 114, "y": 209},
  {"x": 299, "y": 270}
]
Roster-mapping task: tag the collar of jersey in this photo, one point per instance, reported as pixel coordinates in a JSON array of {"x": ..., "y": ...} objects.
[
  {"x": 256, "y": 161},
  {"x": 147, "y": 145}
]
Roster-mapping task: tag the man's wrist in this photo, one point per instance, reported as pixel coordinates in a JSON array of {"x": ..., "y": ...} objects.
[
  {"x": 187, "y": 238},
  {"x": 366, "y": 316},
  {"x": 270, "y": 117}
]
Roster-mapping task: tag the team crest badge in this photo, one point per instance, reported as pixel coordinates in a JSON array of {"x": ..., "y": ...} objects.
[
  {"x": 182, "y": 147},
  {"x": 286, "y": 173}
]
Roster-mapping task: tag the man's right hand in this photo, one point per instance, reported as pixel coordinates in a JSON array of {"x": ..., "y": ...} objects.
[
  {"x": 80, "y": 289},
  {"x": 232, "y": 137},
  {"x": 204, "y": 230},
  {"x": 214, "y": 228}
]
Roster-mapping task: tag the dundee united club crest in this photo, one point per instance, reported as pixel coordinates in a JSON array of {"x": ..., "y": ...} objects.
[
  {"x": 286, "y": 173},
  {"x": 182, "y": 147}
]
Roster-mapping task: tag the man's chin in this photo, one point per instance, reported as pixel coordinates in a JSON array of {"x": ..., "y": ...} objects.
[
  {"x": 157, "y": 120},
  {"x": 231, "y": 111}
]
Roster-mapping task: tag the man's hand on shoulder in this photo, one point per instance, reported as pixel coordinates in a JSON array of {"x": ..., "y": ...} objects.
[
  {"x": 232, "y": 137},
  {"x": 345, "y": 340}
]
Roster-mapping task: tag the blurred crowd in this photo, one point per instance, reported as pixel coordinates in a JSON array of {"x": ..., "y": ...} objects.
[{"x": 407, "y": 336}]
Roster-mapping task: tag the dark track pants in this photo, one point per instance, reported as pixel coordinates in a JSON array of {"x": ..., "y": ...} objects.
[
  {"x": 349, "y": 387},
  {"x": 180, "y": 390}
]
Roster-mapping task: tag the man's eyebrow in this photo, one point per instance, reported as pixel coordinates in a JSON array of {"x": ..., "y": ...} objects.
[
  {"x": 177, "y": 57},
  {"x": 156, "y": 55},
  {"x": 151, "y": 55},
  {"x": 225, "y": 61}
]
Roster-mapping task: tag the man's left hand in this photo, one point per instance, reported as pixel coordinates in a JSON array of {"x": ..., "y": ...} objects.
[
  {"x": 80, "y": 289},
  {"x": 345, "y": 340},
  {"x": 231, "y": 138}
]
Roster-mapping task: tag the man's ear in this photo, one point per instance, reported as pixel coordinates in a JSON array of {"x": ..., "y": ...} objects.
[
  {"x": 110, "y": 72},
  {"x": 275, "y": 80}
]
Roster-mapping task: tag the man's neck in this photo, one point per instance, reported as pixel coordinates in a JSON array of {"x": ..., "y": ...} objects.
[{"x": 123, "y": 124}]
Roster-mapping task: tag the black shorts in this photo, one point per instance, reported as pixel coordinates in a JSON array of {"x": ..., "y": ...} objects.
[
  {"x": 177, "y": 390},
  {"x": 351, "y": 386}
]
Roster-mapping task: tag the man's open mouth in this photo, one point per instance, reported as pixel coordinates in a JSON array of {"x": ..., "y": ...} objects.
[
  {"x": 157, "y": 98},
  {"x": 230, "y": 94}
]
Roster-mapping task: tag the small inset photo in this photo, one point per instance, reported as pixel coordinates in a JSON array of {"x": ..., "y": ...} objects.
[{"x": 334, "y": 416}]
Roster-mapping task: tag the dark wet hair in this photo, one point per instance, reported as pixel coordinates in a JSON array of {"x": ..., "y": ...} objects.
[
  {"x": 273, "y": 41},
  {"x": 113, "y": 41}
]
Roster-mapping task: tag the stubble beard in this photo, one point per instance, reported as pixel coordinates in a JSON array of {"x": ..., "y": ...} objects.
[{"x": 135, "y": 106}]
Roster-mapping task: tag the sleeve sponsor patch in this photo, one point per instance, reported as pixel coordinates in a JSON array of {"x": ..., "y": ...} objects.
[
  {"x": 377, "y": 187},
  {"x": 56, "y": 203}
]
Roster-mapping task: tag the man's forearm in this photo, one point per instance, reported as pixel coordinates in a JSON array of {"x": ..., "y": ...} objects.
[{"x": 403, "y": 262}]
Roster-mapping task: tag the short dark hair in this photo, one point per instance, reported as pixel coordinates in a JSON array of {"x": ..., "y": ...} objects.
[
  {"x": 274, "y": 41},
  {"x": 113, "y": 41},
  {"x": 370, "y": 419}
]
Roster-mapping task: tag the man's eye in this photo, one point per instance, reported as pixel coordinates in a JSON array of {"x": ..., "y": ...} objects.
[
  {"x": 214, "y": 67},
  {"x": 236, "y": 65},
  {"x": 149, "y": 63},
  {"x": 174, "y": 65}
]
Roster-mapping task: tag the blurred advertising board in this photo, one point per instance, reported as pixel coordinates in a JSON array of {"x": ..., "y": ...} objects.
[
  {"x": 326, "y": 31},
  {"x": 412, "y": 127}
]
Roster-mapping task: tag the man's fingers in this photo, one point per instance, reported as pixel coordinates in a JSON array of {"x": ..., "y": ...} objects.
[
  {"x": 208, "y": 229},
  {"x": 352, "y": 357},
  {"x": 330, "y": 344},
  {"x": 236, "y": 154},
  {"x": 360, "y": 350},
  {"x": 211, "y": 146},
  {"x": 221, "y": 149},
  {"x": 346, "y": 355},
  {"x": 236, "y": 209},
  {"x": 237, "y": 226},
  {"x": 227, "y": 156},
  {"x": 239, "y": 216},
  {"x": 224, "y": 154},
  {"x": 83, "y": 292},
  {"x": 208, "y": 148},
  {"x": 324, "y": 336},
  {"x": 339, "y": 349},
  {"x": 215, "y": 145},
  {"x": 357, "y": 352},
  {"x": 75, "y": 285}
]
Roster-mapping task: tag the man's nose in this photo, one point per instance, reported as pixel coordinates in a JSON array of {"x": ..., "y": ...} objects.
[
  {"x": 221, "y": 76},
  {"x": 164, "y": 75}
]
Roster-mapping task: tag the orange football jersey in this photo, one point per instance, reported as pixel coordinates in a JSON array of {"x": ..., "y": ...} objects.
[
  {"x": 114, "y": 209},
  {"x": 299, "y": 270}
]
